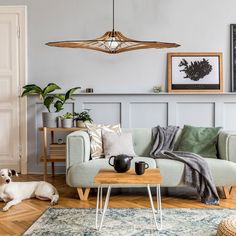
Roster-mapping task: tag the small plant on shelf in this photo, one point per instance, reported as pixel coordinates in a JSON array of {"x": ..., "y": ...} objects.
[
  {"x": 67, "y": 120},
  {"x": 82, "y": 118},
  {"x": 49, "y": 98},
  {"x": 68, "y": 115}
]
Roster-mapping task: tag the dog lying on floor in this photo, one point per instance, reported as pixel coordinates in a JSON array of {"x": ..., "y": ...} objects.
[{"x": 14, "y": 192}]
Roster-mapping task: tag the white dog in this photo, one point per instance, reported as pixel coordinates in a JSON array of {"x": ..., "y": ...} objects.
[{"x": 14, "y": 192}]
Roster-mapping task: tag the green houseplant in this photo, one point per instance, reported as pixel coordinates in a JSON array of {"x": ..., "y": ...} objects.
[
  {"x": 67, "y": 120},
  {"x": 82, "y": 118},
  {"x": 49, "y": 99}
]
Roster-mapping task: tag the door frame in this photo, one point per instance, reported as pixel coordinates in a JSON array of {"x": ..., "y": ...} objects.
[{"x": 21, "y": 11}]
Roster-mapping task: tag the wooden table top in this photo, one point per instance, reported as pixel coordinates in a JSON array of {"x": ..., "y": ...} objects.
[{"x": 105, "y": 176}]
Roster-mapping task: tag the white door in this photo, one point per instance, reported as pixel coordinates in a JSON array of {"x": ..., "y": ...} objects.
[{"x": 9, "y": 91}]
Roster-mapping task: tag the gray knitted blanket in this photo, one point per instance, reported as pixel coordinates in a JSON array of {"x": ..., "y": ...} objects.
[{"x": 196, "y": 172}]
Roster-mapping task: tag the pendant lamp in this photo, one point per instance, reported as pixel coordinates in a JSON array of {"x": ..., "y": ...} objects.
[{"x": 112, "y": 42}]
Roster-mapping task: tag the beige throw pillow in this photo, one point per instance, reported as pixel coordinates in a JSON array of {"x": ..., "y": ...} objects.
[
  {"x": 116, "y": 144},
  {"x": 95, "y": 133}
]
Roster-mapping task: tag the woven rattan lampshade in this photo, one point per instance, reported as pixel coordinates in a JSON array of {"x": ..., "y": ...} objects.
[{"x": 112, "y": 42}]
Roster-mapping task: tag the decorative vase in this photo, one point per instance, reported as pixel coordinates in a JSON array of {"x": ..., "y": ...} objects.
[
  {"x": 67, "y": 123},
  {"x": 49, "y": 119},
  {"x": 81, "y": 124}
]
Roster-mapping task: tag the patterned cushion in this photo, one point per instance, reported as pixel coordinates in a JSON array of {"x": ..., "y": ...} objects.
[{"x": 95, "y": 133}]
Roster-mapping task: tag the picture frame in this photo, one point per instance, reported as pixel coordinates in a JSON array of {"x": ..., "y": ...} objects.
[
  {"x": 233, "y": 56},
  {"x": 195, "y": 72}
]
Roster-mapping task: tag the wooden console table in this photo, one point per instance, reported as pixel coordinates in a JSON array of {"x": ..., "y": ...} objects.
[{"x": 54, "y": 152}]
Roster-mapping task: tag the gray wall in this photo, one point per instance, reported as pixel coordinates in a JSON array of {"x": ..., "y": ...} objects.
[{"x": 201, "y": 25}]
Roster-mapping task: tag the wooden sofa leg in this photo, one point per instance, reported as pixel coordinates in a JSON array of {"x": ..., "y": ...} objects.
[
  {"x": 227, "y": 192},
  {"x": 83, "y": 195},
  {"x": 232, "y": 191}
]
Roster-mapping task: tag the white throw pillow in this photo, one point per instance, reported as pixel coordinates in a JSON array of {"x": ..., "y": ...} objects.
[
  {"x": 95, "y": 133},
  {"x": 117, "y": 144}
]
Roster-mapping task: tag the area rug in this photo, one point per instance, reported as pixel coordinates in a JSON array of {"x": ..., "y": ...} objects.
[{"x": 138, "y": 222}]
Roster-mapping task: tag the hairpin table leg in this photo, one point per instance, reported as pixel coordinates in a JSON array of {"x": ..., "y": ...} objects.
[
  {"x": 97, "y": 206},
  {"x": 105, "y": 206},
  {"x": 101, "y": 200},
  {"x": 158, "y": 205}
]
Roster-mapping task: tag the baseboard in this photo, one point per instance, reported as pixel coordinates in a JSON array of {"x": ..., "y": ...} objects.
[{"x": 41, "y": 173}]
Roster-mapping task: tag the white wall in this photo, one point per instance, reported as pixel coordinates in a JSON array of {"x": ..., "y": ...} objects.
[{"x": 201, "y": 25}]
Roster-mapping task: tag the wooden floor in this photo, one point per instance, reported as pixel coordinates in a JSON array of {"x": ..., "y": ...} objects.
[{"x": 20, "y": 217}]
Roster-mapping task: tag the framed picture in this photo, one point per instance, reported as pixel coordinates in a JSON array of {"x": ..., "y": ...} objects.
[
  {"x": 195, "y": 72},
  {"x": 233, "y": 56}
]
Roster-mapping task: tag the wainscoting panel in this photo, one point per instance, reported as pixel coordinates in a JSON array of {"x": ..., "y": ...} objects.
[
  {"x": 137, "y": 111},
  {"x": 230, "y": 116},
  {"x": 146, "y": 115},
  {"x": 198, "y": 114},
  {"x": 104, "y": 112}
]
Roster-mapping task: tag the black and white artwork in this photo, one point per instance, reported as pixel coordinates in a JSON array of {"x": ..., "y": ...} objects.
[
  {"x": 195, "y": 72},
  {"x": 233, "y": 56}
]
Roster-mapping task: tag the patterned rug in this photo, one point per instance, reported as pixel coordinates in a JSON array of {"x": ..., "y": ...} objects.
[{"x": 68, "y": 222}]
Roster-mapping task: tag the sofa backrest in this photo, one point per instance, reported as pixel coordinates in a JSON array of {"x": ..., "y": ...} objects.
[{"x": 143, "y": 141}]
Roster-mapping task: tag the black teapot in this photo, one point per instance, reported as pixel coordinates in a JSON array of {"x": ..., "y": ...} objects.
[{"x": 121, "y": 163}]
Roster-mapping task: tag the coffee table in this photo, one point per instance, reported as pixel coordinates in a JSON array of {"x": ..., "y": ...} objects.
[{"x": 108, "y": 178}]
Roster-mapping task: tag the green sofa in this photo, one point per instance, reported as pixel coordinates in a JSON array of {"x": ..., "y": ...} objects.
[{"x": 80, "y": 170}]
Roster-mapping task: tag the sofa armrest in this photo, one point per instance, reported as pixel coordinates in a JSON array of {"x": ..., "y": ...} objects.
[
  {"x": 77, "y": 148},
  {"x": 227, "y": 145}
]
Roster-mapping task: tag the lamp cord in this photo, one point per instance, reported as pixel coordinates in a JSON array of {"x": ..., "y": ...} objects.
[{"x": 113, "y": 16}]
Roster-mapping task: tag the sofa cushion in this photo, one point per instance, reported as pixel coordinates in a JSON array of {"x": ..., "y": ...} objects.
[
  {"x": 199, "y": 140},
  {"x": 142, "y": 141},
  {"x": 172, "y": 172},
  {"x": 117, "y": 144},
  {"x": 95, "y": 133},
  {"x": 223, "y": 172}
]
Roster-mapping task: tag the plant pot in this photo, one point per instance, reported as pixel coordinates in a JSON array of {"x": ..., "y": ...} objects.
[
  {"x": 49, "y": 119},
  {"x": 67, "y": 123},
  {"x": 81, "y": 124}
]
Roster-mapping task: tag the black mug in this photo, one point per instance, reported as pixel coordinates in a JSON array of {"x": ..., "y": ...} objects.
[{"x": 140, "y": 167}]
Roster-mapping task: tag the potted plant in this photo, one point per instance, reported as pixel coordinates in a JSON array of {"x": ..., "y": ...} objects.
[
  {"x": 67, "y": 120},
  {"x": 49, "y": 99},
  {"x": 82, "y": 118}
]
